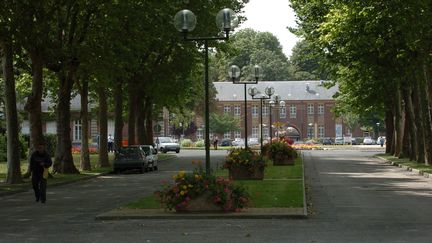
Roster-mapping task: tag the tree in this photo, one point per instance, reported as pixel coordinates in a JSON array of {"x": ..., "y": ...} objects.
[{"x": 221, "y": 124}]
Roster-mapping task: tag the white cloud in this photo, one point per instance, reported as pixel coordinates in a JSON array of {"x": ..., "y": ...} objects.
[{"x": 273, "y": 16}]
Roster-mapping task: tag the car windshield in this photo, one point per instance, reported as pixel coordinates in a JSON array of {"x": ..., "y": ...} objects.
[
  {"x": 146, "y": 149},
  {"x": 129, "y": 152},
  {"x": 165, "y": 140}
]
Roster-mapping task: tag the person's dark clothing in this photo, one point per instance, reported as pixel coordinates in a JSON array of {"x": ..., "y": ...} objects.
[{"x": 39, "y": 161}]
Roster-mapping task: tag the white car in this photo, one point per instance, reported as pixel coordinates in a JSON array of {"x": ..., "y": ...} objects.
[
  {"x": 368, "y": 141},
  {"x": 165, "y": 144},
  {"x": 151, "y": 155},
  {"x": 238, "y": 142},
  {"x": 253, "y": 141}
]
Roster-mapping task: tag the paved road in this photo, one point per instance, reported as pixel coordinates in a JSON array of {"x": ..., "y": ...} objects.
[{"x": 355, "y": 199}]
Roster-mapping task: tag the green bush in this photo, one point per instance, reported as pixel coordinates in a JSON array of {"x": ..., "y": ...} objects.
[
  {"x": 50, "y": 143},
  {"x": 23, "y": 147},
  {"x": 186, "y": 143},
  {"x": 3, "y": 146},
  {"x": 200, "y": 143}
]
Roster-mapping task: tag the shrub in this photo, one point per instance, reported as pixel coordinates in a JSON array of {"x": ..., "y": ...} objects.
[
  {"x": 187, "y": 186},
  {"x": 244, "y": 157},
  {"x": 280, "y": 150},
  {"x": 23, "y": 147},
  {"x": 186, "y": 143},
  {"x": 3, "y": 146},
  {"x": 200, "y": 143}
]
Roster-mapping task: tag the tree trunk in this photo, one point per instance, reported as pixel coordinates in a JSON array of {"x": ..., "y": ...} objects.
[
  {"x": 85, "y": 155},
  {"x": 13, "y": 159},
  {"x": 426, "y": 118},
  {"x": 103, "y": 128},
  {"x": 33, "y": 105},
  {"x": 398, "y": 123},
  {"x": 140, "y": 128},
  {"x": 118, "y": 102},
  {"x": 131, "y": 114},
  {"x": 410, "y": 127},
  {"x": 428, "y": 114},
  {"x": 63, "y": 162},
  {"x": 419, "y": 121},
  {"x": 148, "y": 108}
]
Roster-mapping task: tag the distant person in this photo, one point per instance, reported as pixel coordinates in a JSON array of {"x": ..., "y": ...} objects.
[
  {"x": 40, "y": 161},
  {"x": 110, "y": 143},
  {"x": 215, "y": 142},
  {"x": 381, "y": 141}
]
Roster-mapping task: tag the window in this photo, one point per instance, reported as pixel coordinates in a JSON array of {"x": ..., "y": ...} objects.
[
  {"x": 293, "y": 111},
  {"x": 227, "y": 109},
  {"x": 282, "y": 112},
  {"x": 227, "y": 135},
  {"x": 320, "y": 109},
  {"x": 200, "y": 134},
  {"x": 265, "y": 111},
  {"x": 310, "y": 109},
  {"x": 255, "y": 111},
  {"x": 237, "y": 134},
  {"x": 77, "y": 130},
  {"x": 266, "y": 133},
  {"x": 310, "y": 132},
  {"x": 254, "y": 132},
  {"x": 321, "y": 131},
  {"x": 237, "y": 111}
]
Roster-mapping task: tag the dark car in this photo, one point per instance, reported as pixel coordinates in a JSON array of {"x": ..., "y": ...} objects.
[
  {"x": 327, "y": 141},
  {"x": 225, "y": 142},
  {"x": 129, "y": 158}
]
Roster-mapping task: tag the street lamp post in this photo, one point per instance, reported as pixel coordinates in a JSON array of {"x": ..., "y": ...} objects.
[
  {"x": 234, "y": 74},
  {"x": 185, "y": 21},
  {"x": 256, "y": 95}
]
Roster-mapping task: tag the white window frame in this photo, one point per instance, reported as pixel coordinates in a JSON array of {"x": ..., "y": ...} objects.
[
  {"x": 265, "y": 111},
  {"x": 321, "y": 131},
  {"x": 282, "y": 111},
  {"x": 254, "y": 111},
  {"x": 237, "y": 110},
  {"x": 77, "y": 132},
  {"x": 266, "y": 132},
  {"x": 310, "y": 109},
  {"x": 321, "y": 109},
  {"x": 200, "y": 134},
  {"x": 237, "y": 134},
  {"x": 227, "y": 135},
  {"x": 293, "y": 111},
  {"x": 227, "y": 109},
  {"x": 254, "y": 132}
]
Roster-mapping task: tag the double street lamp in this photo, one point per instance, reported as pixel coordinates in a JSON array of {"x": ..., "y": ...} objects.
[
  {"x": 273, "y": 103},
  {"x": 256, "y": 95},
  {"x": 185, "y": 21},
  {"x": 234, "y": 73}
]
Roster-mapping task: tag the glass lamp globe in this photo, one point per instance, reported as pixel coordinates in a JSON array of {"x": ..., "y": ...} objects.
[
  {"x": 257, "y": 70},
  {"x": 276, "y": 98},
  {"x": 185, "y": 21},
  {"x": 271, "y": 103},
  {"x": 253, "y": 91},
  {"x": 282, "y": 103},
  {"x": 226, "y": 19},
  {"x": 269, "y": 91},
  {"x": 234, "y": 72}
]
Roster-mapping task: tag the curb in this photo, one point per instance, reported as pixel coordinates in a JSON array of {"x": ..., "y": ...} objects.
[
  {"x": 407, "y": 168},
  {"x": 250, "y": 213}
]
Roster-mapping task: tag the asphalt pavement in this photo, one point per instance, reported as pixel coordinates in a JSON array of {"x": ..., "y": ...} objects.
[{"x": 353, "y": 198}]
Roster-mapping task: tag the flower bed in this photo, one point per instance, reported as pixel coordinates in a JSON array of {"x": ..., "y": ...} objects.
[
  {"x": 245, "y": 164},
  {"x": 198, "y": 191},
  {"x": 280, "y": 152}
]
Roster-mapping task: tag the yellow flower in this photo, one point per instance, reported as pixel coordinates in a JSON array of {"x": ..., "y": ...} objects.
[
  {"x": 190, "y": 185},
  {"x": 181, "y": 174},
  {"x": 182, "y": 193},
  {"x": 185, "y": 187}
]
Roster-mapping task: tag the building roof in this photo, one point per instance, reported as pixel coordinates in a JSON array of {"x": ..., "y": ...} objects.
[{"x": 288, "y": 90}]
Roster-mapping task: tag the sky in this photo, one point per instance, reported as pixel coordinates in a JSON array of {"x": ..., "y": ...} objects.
[{"x": 272, "y": 16}]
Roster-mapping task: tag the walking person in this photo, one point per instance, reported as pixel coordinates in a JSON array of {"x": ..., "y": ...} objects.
[
  {"x": 40, "y": 161},
  {"x": 215, "y": 142},
  {"x": 110, "y": 143}
]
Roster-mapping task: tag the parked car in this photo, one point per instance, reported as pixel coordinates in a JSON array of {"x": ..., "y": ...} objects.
[
  {"x": 327, "y": 141},
  {"x": 238, "y": 142},
  {"x": 368, "y": 141},
  {"x": 131, "y": 157},
  {"x": 225, "y": 142},
  {"x": 339, "y": 141},
  {"x": 165, "y": 144},
  {"x": 151, "y": 155},
  {"x": 253, "y": 141}
]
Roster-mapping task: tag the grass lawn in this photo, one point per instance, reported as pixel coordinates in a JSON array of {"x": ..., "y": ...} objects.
[
  {"x": 407, "y": 162},
  {"x": 282, "y": 187}
]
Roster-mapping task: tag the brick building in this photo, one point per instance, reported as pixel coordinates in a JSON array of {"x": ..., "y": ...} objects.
[{"x": 306, "y": 113}]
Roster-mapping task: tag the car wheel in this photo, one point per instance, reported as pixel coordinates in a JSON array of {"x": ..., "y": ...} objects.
[
  {"x": 164, "y": 151},
  {"x": 116, "y": 171},
  {"x": 155, "y": 168},
  {"x": 178, "y": 151}
]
